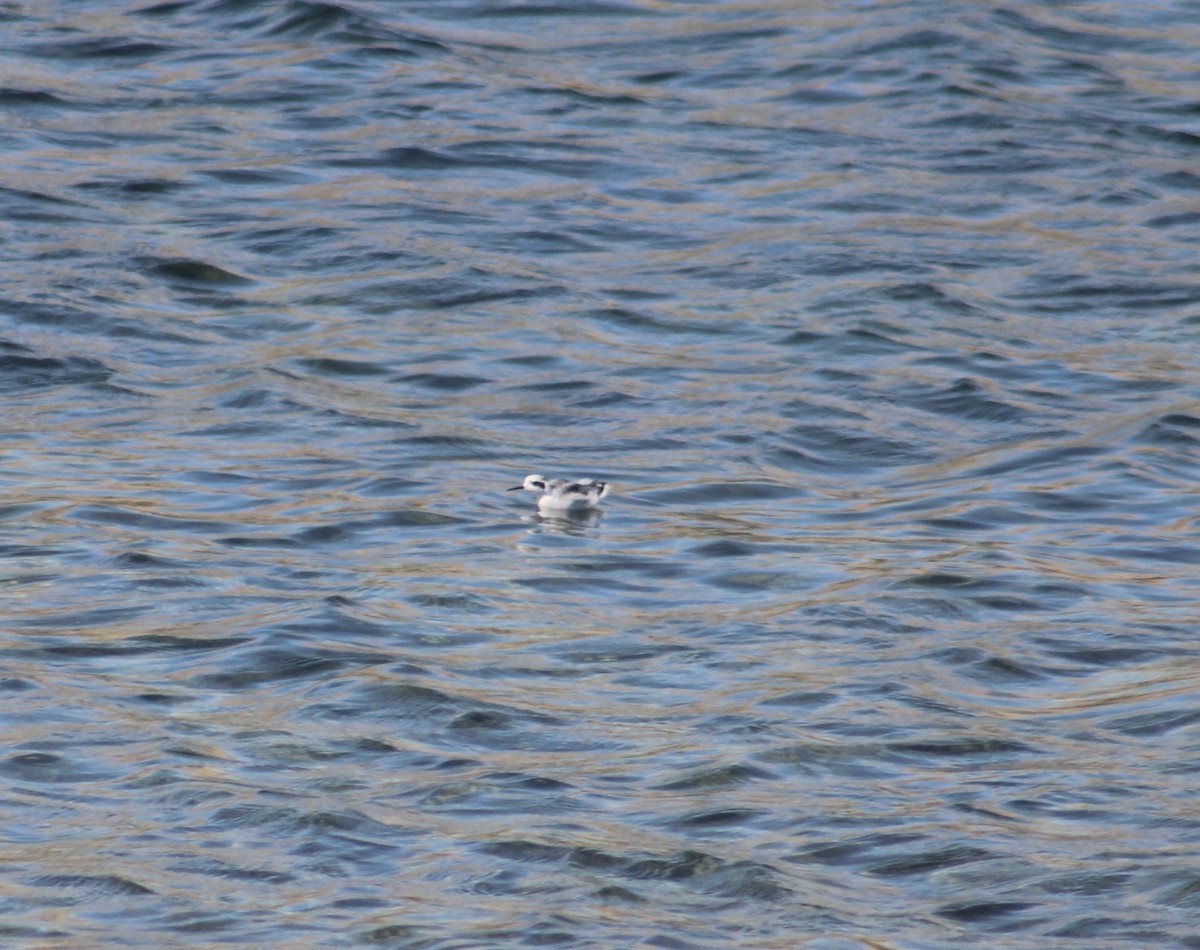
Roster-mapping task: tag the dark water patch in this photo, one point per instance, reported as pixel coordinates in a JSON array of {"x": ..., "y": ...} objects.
[
  {"x": 986, "y": 364},
  {"x": 836, "y": 447},
  {"x": 509, "y": 157},
  {"x": 865, "y": 204},
  {"x": 18, "y": 370},
  {"x": 14, "y": 98},
  {"x": 856, "y": 850},
  {"x": 539, "y": 360},
  {"x": 388, "y": 486},
  {"x": 975, "y": 120},
  {"x": 161, "y": 700},
  {"x": 417, "y": 518},
  {"x": 705, "y": 872},
  {"x": 616, "y": 233},
  {"x": 264, "y": 665},
  {"x": 260, "y": 541},
  {"x": 121, "y": 49},
  {"x": 864, "y": 341},
  {"x": 1097, "y": 651},
  {"x": 943, "y": 581},
  {"x": 703, "y": 820},
  {"x": 630, "y": 320},
  {"x": 217, "y": 479},
  {"x": 459, "y": 722},
  {"x": 983, "y": 518},
  {"x": 723, "y": 549},
  {"x": 911, "y": 40},
  {"x": 843, "y": 761},
  {"x": 1173, "y": 430},
  {"x": 1085, "y": 39},
  {"x": 327, "y": 366},
  {"x": 88, "y": 885},
  {"x": 955, "y": 750},
  {"x": 1172, "y": 553},
  {"x": 988, "y": 912},
  {"x": 320, "y": 24},
  {"x": 1059, "y": 457},
  {"x": 252, "y": 177},
  {"x": 1064, "y": 807},
  {"x": 330, "y": 534},
  {"x": 729, "y": 776},
  {"x": 468, "y": 289},
  {"x": 1181, "y": 180},
  {"x": 304, "y": 19},
  {"x": 1009, "y": 158},
  {"x": 625, "y": 564},
  {"x": 338, "y": 619},
  {"x": 287, "y": 241},
  {"x": 616, "y": 651},
  {"x": 1179, "y": 220},
  {"x": 38, "y": 206},
  {"x": 801, "y": 700},
  {"x": 756, "y": 581},
  {"x": 184, "y": 272},
  {"x": 170, "y": 8},
  {"x": 132, "y": 646},
  {"x": 1183, "y": 891},
  {"x": 568, "y": 100},
  {"x": 249, "y": 399},
  {"x": 1075, "y": 293},
  {"x": 479, "y": 719},
  {"x": 412, "y": 702},
  {"x": 609, "y": 400},
  {"x": 1066, "y": 502},
  {"x": 1154, "y": 723},
  {"x": 132, "y": 188},
  {"x": 48, "y": 768},
  {"x": 442, "y": 382},
  {"x": 924, "y": 293},
  {"x": 498, "y": 793},
  {"x": 996, "y": 670},
  {"x": 101, "y": 616},
  {"x": 145, "y": 520},
  {"x": 547, "y": 242},
  {"x": 600, "y": 9},
  {"x": 213, "y": 867},
  {"x": 802, "y": 338},
  {"x": 295, "y": 821},
  {"x": 968, "y": 399},
  {"x": 562, "y": 387},
  {"x": 930, "y": 861},
  {"x": 241, "y": 430},
  {"x": 718, "y": 493},
  {"x": 1097, "y": 927},
  {"x": 566, "y": 585}
]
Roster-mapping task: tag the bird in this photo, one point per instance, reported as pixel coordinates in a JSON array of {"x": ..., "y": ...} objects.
[{"x": 564, "y": 494}]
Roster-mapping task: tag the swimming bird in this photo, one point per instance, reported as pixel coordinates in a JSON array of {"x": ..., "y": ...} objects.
[{"x": 564, "y": 494}]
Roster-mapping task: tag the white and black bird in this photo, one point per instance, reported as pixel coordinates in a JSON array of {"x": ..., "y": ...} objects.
[{"x": 564, "y": 494}]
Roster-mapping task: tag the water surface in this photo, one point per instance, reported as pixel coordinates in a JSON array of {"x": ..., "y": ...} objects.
[{"x": 883, "y": 320}]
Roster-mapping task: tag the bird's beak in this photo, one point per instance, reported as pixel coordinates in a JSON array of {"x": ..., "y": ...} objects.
[{"x": 515, "y": 488}]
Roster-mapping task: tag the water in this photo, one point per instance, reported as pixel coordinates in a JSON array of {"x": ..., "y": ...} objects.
[{"x": 883, "y": 320}]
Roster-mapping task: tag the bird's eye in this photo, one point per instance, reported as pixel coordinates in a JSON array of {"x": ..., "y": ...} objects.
[{"x": 540, "y": 485}]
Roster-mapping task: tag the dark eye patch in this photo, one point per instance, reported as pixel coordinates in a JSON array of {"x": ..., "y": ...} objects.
[{"x": 541, "y": 485}]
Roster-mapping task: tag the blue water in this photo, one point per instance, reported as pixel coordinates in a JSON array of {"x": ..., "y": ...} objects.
[{"x": 883, "y": 319}]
